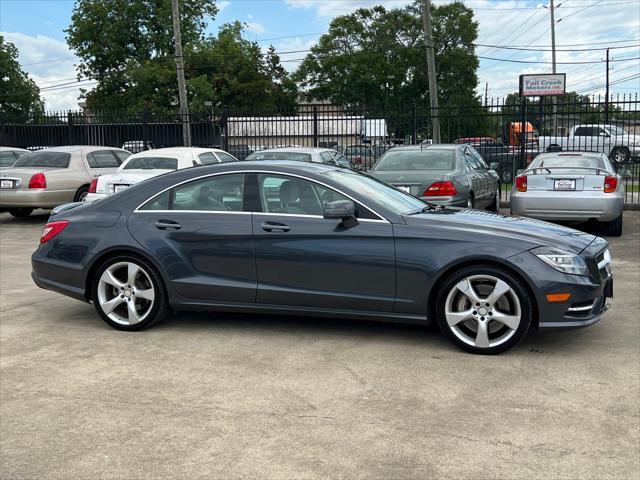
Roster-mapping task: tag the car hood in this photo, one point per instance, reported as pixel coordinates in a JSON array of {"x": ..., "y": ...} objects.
[{"x": 531, "y": 233}]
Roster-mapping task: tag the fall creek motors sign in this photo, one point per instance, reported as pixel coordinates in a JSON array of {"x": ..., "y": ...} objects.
[{"x": 543, "y": 84}]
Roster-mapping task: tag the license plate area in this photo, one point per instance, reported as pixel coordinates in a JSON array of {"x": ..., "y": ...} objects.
[
  {"x": 7, "y": 184},
  {"x": 564, "y": 184},
  {"x": 118, "y": 188},
  {"x": 404, "y": 188}
]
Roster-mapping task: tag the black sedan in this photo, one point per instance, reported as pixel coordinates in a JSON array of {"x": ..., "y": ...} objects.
[{"x": 308, "y": 239}]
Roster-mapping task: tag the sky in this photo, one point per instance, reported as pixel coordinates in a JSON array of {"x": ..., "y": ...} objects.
[{"x": 36, "y": 27}]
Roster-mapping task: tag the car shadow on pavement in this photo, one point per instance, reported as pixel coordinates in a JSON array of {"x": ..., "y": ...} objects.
[{"x": 39, "y": 217}]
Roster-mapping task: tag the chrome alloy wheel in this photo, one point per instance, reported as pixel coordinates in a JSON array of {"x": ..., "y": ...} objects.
[
  {"x": 483, "y": 311},
  {"x": 125, "y": 293}
]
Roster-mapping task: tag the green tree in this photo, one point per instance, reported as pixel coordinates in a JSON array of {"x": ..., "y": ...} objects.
[
  {"x": 19, "y": 94},
  {"x": 376, "y": 57}
]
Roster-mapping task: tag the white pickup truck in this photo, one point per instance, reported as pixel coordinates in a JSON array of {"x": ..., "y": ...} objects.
[{"x": 611, "y": 140}]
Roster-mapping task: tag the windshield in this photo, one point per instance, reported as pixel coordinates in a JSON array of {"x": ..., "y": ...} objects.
[
  {"x": 427, "y": 159},
  {"x": 378, "y": 192},
  {"x": 295, "y": 156},
  {"x": 617, "y": 130},
  {"x": 44, "y": 159},
  {"x": 151, "y": 163}
]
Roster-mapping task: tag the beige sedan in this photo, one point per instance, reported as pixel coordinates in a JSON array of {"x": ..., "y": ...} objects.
[{"x": 50, "y": 177}]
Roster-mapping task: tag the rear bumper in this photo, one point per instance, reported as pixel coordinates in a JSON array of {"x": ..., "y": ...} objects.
[
  {"x": 580, "y": 206},
  {"x": 68, "y": 290},
  {"x": 36, "y": 198}
]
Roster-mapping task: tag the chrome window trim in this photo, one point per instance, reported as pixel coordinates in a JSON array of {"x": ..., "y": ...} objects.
[{"x": 137, "y": 209}]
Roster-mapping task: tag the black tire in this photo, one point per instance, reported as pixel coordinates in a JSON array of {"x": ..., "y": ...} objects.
[
  {"x": 20, "y": 212},
  {"x": 613, "y": 228},
  {"x": 620, "y": 155},
  {"x": 506, "y": 176},
  {"x": 160, "y": 307},
  {"x": 494, "y": 206},
  {"x": 511, "y": 339},
  {"x": 471, "y": 201},
  {"x": 81, "y": 193}
]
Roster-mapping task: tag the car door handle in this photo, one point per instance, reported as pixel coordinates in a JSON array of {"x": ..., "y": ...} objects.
[
  {"x": 167, "y": 225},
  {"x": 271, "y": 226}
]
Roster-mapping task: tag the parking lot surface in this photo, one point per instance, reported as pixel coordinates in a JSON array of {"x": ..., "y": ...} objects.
[{"x": 238, "y": 396}]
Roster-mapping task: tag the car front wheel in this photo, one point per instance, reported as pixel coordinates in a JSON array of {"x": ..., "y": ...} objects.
[
  {"x": 483, "y": 310},
  {"x": 129, "y": 294}
]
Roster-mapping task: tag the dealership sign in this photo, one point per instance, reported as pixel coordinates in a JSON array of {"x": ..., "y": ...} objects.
[{"x": 543, "y": 84}]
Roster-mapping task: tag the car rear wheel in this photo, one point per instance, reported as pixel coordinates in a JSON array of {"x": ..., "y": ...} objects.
[
  {"x": 81, "y": 194},
  {"x": 495, "y": 204},
  {"x": 613, "y": 228},
  {"x": 20, "y": 212},
  {"x": 471, "y": 203},
  {"x": 483, "y": 310},
  {"x": 620, "y": 155},
  {"x": 129, "y": 294}
]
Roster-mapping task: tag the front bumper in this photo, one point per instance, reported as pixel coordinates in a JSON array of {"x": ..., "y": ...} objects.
[
  {"x": 579, "y": 206},
  {"x": 34, "y": 198},
  {"x": 588, "y": 299}
]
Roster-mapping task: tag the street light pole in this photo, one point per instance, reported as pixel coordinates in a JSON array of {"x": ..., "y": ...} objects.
[
  {"x": 431, "y": 70},
  {"x": 553, "y": 63},
  {"x": 182, "y": 86}
]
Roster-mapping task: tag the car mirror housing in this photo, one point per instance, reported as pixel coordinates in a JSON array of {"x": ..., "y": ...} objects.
[
  {"x": 494, "y": 165},
  {"x": 339, "y": 210}
]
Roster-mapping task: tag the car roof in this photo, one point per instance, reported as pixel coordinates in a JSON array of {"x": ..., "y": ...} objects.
[
  {"x": 289, "y": 164},
  {"x": 295, "y": 149},
  {"x": 13, "y": 149},
  {"x": 570, "y": 153},
  {"x": 435, "y": 146},
  {"x": 178, "y": 151},
  {"x": 76, "y": 148}
]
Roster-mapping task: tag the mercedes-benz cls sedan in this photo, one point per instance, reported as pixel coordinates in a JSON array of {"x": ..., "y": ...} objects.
[{"x": 308, "y": 239}]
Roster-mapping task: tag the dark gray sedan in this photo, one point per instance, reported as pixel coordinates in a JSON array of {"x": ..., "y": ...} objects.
[
  {"x": 454, "y": 175},
  {"x": 310, "y": 239}
]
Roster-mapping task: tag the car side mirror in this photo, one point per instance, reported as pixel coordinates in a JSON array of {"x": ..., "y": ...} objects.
[
  {"x": 339, "y": 210},
  {"x": 494, "y": 166}
]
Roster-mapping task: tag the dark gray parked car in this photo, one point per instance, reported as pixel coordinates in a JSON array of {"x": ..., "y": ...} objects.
[
  {"x": 310, "y": 239},
  {"x": 441, "y": 174}
]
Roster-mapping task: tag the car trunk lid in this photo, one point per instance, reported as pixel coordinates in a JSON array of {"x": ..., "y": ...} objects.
[
  {"x": 22, "y": 175},
  {"x": 413, "y": 182}
]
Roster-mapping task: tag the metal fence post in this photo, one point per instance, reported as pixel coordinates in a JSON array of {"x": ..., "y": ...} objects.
[
  {"x": 315, "y": 125},
  {"x": 145, "y": 129},
  {"x": 414, "y": 114},
  {"x": 70, "y": 127}
]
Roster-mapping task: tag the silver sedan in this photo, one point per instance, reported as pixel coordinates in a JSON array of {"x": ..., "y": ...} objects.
[{"x": 570, "y": 186}]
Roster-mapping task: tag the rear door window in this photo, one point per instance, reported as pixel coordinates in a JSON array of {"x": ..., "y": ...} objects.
[
  {"x": 225, "y": 157},
  {"x": 103, "y": 159},
  {"x": 44, "y": 159},
  {"x": 207, "y": 158},
  {"x": 327, "y": 158}
]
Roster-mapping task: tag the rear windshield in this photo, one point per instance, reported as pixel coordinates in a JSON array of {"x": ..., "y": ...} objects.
[
  {"x": 295, "y": 156},
  {"x": 152, "y": 163},
  {"x": 44, "y": 159},
  {"x": 570, "y": 161},
  {"x": 427, "y": 159},
  {"x": 7, "y": 158},
  {"x": 356, "y": 150}
]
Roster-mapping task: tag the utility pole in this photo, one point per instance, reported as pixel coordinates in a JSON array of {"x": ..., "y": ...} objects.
[
  {"x": 606, "y": 98},
  {"x": 431, "y": 70},
  {"x": 182, "y": 87},
  {"x": 486, "y": 94},
  {"x": 553, "y": 64}
]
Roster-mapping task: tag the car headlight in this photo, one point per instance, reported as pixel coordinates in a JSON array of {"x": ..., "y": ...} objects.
[{"x": 562, "y": 261}]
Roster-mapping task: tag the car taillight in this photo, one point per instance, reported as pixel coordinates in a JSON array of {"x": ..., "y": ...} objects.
[
  {"x": 38, "y": 180},
  {"x": 94, "y": 186},
  {"x": 441, "y": 189},
  {"x": 521, "y": 183},
  {"x": 610, "y": 184},
  {"x": 52, "y": 229}
]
